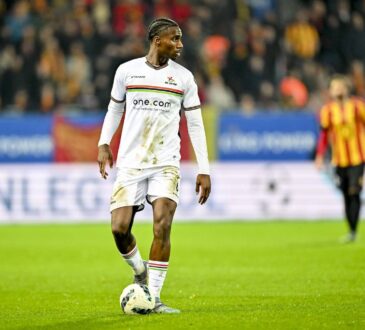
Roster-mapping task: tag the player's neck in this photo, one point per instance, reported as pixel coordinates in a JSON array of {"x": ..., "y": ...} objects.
[
  {"x": 342, "y": 100},
  {"x": 154, "y": 59}
]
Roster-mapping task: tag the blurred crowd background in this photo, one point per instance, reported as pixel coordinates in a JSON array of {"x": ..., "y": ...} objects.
[{"x": 247, "y": 55}]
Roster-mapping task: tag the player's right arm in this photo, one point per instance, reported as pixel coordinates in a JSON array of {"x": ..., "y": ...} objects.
[
  {"x": 111, "y": 122},
  {"x": 322, "y": 142},
  {"x": 321, "y": 149}
]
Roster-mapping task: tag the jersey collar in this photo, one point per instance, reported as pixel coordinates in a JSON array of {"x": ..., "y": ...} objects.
[{"x": 157, "y": 67}]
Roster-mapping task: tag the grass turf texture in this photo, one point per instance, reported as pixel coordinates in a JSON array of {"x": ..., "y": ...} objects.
[{"x": 281, "y": 275}]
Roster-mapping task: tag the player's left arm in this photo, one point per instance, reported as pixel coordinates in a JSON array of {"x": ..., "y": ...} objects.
[
  {"x": 198, "y": 140},
  {"x": 360, "y": 107},
  {"x": 193, "y": 114}
]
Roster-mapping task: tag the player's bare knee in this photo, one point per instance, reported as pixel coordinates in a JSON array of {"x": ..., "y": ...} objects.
[
  {"x": 162, "y": 229},
  {"x": 120, "y": 227}
]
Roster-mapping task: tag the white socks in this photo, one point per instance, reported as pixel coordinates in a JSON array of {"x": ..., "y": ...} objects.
[
  {"x": 156, "y": 273},
  {"x": 133, "y": 258},
  {"x": 156, "y": 270}
]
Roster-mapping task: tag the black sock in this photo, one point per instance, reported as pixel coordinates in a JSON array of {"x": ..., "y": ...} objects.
[{"x": 352, "y": 208}]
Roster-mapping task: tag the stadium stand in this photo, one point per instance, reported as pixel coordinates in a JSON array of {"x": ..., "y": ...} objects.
[{"x": 61, "y": 55}]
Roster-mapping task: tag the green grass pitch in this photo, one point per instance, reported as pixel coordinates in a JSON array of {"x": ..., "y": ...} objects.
[{"x": 266, "y": 275}]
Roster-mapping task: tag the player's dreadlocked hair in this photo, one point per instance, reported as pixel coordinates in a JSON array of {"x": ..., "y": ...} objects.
[{"x": 158, "y": 25}]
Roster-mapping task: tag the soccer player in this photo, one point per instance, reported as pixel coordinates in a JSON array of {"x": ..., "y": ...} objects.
[
  {"x": 342, "y": 122},
  {"x": 151, "y": 91}
]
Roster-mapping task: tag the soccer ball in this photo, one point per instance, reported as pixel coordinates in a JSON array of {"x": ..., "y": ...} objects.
[{"x": 137, "y": 299}]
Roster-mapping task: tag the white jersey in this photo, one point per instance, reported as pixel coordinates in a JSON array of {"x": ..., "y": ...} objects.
[{"x": 154, "y": 98}]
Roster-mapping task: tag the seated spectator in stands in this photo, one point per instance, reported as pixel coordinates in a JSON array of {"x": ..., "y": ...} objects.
[
  {"x": 358, "y": 77},
  {"x": 356, "y": 39},
  {"x": 266, "y": 98},
  {"x": 51, "y": 65},
  {"x": 101, "y": 12},
  {"x": 254, "y": 75},
  {"x": 215, "y": 48},
  {"x": 330, "y": 54},
  {"x": 78, "y": 71},
  {"x": 247, "y": 104},
  {"x": 20, "y": 102},
  {"x": 17, "y": 20},
  {"x": 293, "y": 92},
  {"x": 301, "y": 37},
  {"x": 47, "y": 98},
  {"x": 219, "y": 95},
  {"x": 181, "y": 11}
]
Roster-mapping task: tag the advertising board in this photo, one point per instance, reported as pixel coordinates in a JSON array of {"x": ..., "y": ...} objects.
[
  {"x": 267, "y": 136},
  {"x": 36, "y": 193}
]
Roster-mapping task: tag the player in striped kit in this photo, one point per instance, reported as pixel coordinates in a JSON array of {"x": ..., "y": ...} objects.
[
  {"x": 151, "y": 91},
  {"x": 342, "y": 122}
]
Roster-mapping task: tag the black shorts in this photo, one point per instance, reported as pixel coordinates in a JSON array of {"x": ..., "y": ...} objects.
[{"x": 350, "y": 179}]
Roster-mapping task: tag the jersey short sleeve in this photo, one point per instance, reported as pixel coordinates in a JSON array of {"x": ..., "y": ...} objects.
[
  {"x": 360, "y": 105},
  {"x": 191, "y": 99},
  {"x": 119, "y": 89},
  {"x": 324, "y": 117}
]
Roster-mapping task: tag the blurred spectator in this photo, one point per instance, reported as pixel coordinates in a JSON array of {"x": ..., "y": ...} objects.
[
  {"x": 344, "y": 12},
  {"x": 20, "y": 102},
  {"x": 7, "y": 65},
  {"x": 162, "y": 8},
  {"x": 293, "y": 92},
  {"x": 356, "y": 38},
  {"x": 330, "y": 54},
  {"x": 254, "y": 75},
  {"x": 358, "y": 77},
  {"x": 47, "y": 98},
  {"x": 126, "y": 12},
  {"x": 78, "y": 71},
  {"x": 219, "y": 94},
  {"x": 247, "y": 104},
  {"x": 301, "y": 37},
  {"x": 181, "y": 11},
  {"x": 101, "y": 12},
  {"x": 17, "y": 20},
  {"x": 266, "y": 99},
  {"x": 87, "y": 99},
  {"x": 259, "y": 9},
  {"x": 193, "y": 39},
  {"x": 317, "y": 14},
  {"x": 215, "y": 48},
  {"x": 234, "y": 70},
  {"x": 51, "y": 66}
]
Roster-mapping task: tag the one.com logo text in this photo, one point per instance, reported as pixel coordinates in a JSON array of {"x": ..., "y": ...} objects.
[{"x": 154, "y": 103}]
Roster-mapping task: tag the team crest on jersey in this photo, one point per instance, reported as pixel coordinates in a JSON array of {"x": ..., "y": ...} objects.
[{"x": 170, "y": 81}]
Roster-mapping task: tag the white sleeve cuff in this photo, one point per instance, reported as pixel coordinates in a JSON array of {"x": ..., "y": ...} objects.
[
  {"x": 111, "y": 121},
  {"x": 198, "y": 139}
]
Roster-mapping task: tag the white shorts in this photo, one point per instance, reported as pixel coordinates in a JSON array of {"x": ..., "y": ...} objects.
[{"x": 134, "y": 186}]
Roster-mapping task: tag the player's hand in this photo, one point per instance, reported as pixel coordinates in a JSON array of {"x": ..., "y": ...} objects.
[
  {"x": 105, "y": 156},
  {"x": 203, "y": 186},
  {"x": 319, "y": 162}
]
